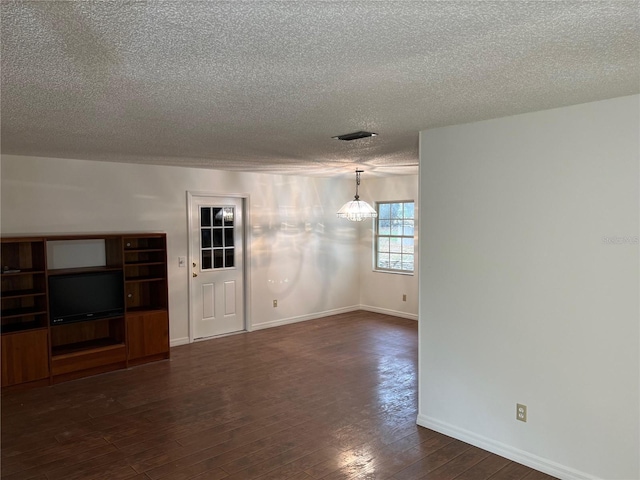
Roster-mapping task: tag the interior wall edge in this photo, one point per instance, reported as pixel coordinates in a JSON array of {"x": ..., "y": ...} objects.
[
  {"x": 386, "y": 311},
  {"x": 525, "y": 458},
  {"x": 303, "y": 318},
  {"x": 176, "y": 342}
]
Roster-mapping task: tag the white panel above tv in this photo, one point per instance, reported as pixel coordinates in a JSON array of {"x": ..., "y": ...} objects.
[{"x": 76, "y": 253}]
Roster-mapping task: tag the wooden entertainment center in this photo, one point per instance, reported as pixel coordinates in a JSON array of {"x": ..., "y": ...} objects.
[{"x": 37, "y": 352}]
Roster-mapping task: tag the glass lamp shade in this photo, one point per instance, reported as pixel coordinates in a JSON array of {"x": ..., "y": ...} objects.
[{"x": 357, "y": 211}]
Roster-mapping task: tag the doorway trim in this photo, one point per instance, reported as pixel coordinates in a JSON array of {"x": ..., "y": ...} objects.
[{"x": 246, "y": 269}]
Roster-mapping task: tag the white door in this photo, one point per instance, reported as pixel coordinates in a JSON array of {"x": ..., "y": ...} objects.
[{"x": 217, "y": 265}]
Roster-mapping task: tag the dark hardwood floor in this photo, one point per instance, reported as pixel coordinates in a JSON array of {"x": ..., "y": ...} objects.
[{"x": 332, "y": 398}]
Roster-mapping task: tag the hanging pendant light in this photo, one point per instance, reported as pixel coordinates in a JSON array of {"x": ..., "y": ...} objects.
[{"x": 357, "y": 210}]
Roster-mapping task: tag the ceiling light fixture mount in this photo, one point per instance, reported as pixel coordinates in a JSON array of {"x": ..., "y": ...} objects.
[
  {"x": 357, "y": 210},
  {"x": 355, "y": 136}
]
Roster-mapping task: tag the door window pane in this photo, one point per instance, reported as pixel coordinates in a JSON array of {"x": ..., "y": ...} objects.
[
  {"x": 205, "y": 216},
  {"x": 228, "y": 216},
  {"x": 218, "y": 261},
  {"x": 217, "y": 217},
  {"x": 217, "y": 237},
  {"x": 228, "y": 237},
  {"x": 206, "y": 260},
  {"x": 229, "y": 257},
  {"x": 206, "y": 238}
]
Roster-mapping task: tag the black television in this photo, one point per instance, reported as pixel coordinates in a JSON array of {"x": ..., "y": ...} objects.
[{"x": 85, "y": 296}]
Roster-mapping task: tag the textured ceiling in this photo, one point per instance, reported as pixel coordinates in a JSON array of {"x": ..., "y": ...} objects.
[{"x": 263, "y": 86}]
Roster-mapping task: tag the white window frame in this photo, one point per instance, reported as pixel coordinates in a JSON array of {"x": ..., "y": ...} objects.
[{"x": 377, "y": 235}]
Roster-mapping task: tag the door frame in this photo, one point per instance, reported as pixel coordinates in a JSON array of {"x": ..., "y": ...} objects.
[{"x": 246, "y": 257}]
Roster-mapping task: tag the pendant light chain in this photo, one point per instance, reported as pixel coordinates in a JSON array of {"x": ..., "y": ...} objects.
[{"x": 358, "y": 172}]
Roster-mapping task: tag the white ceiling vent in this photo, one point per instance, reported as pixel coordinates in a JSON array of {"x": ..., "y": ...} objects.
[{"x": 355, "y": 135}]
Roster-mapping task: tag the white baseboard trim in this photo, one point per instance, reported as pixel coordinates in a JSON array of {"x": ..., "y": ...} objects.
[
  {"x": 385, "y": 311},
  {"x": 178, "y": 341},
  {"x": 303, "y": 318},
  {"x": 312, "y": 316},
  {"x": 525, "y": 458}
]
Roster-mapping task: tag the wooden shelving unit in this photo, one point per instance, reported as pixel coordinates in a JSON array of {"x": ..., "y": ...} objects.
[
  {"x": 145, "y": 285},
  {"x": 25, "y": 341},
  {"x": 35, "y": 352}
]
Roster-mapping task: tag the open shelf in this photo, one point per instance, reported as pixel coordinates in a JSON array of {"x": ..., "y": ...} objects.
[
  {"x": 71, "y": 349},
  {"x": 22, "y": 312},
  {"x": 145, "y": 309},
  {"x": 22, "y": 293},
  {"x": 23, "y": 319},
  {"x": 145, "y": 243},
  {"x": 87, "y": 359},
  {"x": 145, "y": 265},
  {"x": 143, "y": 279},
  {"x": 146, "y": 294},
  {"x": 23, "y": 271},
  {"x": 22, "y": 327},
  {"x": 70, "y": 271},
  {"x": 87, "y": 332},
  {"x": 142, "y": 263},
  {"x": 143, "y": 250}
]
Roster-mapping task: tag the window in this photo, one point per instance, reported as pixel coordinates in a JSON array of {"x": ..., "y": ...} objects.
[
  {"x": 216, "y": 237},
  {"x": 394, "y": 243}
]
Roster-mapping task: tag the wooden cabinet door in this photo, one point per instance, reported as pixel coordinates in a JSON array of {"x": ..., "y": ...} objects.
[
  {"x": 25, "y": 357},
  {"x": 147, "y": 334}
]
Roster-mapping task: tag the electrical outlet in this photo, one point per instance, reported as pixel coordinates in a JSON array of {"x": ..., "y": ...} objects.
[
  {"x": 275, "y": 303},
  {"x": 404, "y": 297},
  {"x": 521, "y": 412}
]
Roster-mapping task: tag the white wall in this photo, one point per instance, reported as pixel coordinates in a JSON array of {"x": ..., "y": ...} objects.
[
  {"x": 382, "y": 292},
  {"x": 529, "y": 287},
  {"x": 302, "y": 254}
]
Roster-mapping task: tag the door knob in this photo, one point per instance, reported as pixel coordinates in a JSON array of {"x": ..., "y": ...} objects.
[
  {"x": 195, "y": 274},
  {"x": 194, "y": 264}
]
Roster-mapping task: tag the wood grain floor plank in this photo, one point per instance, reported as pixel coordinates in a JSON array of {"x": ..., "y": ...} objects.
[
  {"x": 512, "y": 471},
  {"x": 484, "y": 469},
  {"x": 295, "y": 467},
  {"x": 52, "y": 461},
  {"x": 460, "y": 464},
  {"x": 332, "y": 398},
  {"x": 431, "y": 461}
]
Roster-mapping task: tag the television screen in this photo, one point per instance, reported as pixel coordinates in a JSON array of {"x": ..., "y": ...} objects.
[{"x": 85, "y": 296}]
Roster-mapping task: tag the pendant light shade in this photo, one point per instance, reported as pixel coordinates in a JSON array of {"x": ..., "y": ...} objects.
[{"x": 357, "y": 210}]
